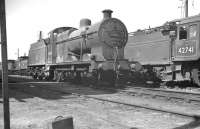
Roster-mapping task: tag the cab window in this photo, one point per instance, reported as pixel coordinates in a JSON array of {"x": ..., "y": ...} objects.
[
  {"x": 192, "y": 31},
  {"x": 183, "y": 32}
]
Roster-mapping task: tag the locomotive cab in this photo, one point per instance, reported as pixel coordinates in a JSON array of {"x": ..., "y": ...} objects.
[
  {"x": 187, "y": 42},
  {"x": 53, "y": 38},
  {"x": 185, "y": 49}
]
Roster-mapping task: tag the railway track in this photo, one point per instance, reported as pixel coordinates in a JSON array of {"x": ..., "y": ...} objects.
[
  {"x": 136, "y": 90},
  {"x": 72, "y": 96},
  {"x": 170, "y": 95}
]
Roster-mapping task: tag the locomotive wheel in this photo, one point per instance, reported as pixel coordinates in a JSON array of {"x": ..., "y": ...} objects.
[{"x": 196, "y": 76}]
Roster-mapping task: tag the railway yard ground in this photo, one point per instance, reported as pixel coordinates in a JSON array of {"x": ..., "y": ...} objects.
[{"x": 34, "y": 105}]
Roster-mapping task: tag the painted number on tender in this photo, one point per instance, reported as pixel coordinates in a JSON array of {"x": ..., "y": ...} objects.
[{"x": 184, "y": 50}]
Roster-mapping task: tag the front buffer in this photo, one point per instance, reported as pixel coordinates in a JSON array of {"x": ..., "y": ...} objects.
[{"x": 109, "y": 73}]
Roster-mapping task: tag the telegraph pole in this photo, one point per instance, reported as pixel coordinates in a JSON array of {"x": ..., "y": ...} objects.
[
  {"x": 18, "y": 53},
  {"x": 4, "y": 65},
  {"x": 18, "y": 60},
  {"x": 186, "y": 8}
]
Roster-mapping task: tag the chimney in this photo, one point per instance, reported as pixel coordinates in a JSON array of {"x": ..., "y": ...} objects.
[
  {"x": 107, "y": 13},
  {"x": 40, "y": 36}
]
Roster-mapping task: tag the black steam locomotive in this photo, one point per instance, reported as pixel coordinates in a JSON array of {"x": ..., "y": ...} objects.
[
  {"x": 93, "y": 53},
  {"x": 169, "y": 52}
]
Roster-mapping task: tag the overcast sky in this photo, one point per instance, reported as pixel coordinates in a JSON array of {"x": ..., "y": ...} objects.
[{"x": 25, "y": 18}]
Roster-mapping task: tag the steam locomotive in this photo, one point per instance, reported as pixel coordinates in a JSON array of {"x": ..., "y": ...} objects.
[
  {"x": 170, "y": 52},
  {"x": 91, "y": 54}
]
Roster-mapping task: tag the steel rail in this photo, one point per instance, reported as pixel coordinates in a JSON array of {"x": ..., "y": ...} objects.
[
  {"x": 172, "y": 91},
  {"x": 139, "y": 106},
  {"x": 169, "y": 94}
]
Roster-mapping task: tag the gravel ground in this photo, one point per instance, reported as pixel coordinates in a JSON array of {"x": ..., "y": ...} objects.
[{"x": 32, "y": 107}]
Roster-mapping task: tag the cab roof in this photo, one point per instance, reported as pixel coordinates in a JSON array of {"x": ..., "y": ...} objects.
[
  {"x": 195, "y": 18},
  {"x": 60, "y": 29}
]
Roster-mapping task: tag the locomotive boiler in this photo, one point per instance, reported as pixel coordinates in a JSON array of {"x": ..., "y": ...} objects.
[
  {"x": 170, "y": 52},
  {"x": 93, "y": 53}
]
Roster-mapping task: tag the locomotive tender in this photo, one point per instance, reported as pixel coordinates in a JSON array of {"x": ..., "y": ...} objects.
[
  {"x": 92, "y": 53},
  {"x": 168, "y": 52}
]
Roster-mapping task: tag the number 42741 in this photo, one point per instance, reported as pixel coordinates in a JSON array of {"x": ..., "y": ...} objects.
[{"x": 188, "y": 49}]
